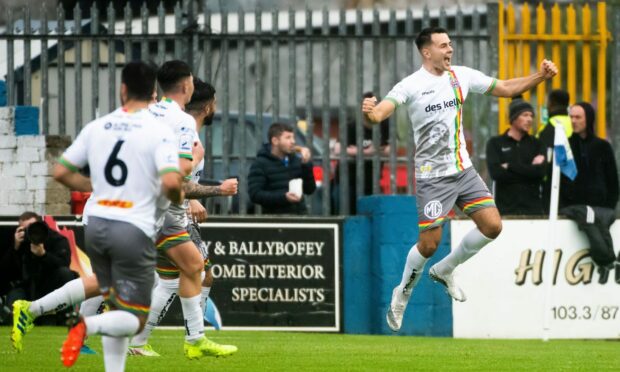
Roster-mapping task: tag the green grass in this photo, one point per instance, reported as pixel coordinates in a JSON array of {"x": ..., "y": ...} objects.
[{"x": 277, "y": 351}]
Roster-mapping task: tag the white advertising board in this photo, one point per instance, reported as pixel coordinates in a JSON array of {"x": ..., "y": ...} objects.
[{"x": 506, "y": 285}]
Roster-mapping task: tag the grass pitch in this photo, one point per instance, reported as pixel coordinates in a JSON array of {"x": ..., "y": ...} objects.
[{"x": 279, "y": 351}]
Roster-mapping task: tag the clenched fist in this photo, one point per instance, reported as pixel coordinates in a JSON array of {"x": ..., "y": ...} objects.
[{"x": 548, "y": 69}]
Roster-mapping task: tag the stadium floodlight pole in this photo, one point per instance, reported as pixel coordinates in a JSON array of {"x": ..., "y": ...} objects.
[{"x": 551, "y": 242}]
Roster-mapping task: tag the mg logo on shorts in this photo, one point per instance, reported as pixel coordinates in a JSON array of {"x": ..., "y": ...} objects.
[{"x": 432, "y": 209}]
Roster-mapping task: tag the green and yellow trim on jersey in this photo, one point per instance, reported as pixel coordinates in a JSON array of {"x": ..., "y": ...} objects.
[
  {"x": 186, "y": 155},
  {"x": 458, "y": 120},
  {"x": 491, "y": 87},
  {"x": 67, "y": 164},
  {"x": 479, "y": 203},
  {"x": 169, "y": 170},
  {"x": 395, "y": 102}
]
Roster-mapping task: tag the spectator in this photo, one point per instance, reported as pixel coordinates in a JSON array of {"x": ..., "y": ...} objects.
[
  {"x": 277, "y": 163},
  {"x": 557, "y": 108},
  {"x": 594, "y": 191},
  {"x": 516, "y": 162},
  {"x": 33, "y": 270},
  {"x": 368, "y": 149}
]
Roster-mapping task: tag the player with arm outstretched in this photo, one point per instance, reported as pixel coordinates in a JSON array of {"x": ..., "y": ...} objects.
[{"x": 434, "y": 97}]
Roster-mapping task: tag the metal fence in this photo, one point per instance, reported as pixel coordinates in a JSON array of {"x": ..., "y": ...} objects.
[{"x": 306, "y": 67}]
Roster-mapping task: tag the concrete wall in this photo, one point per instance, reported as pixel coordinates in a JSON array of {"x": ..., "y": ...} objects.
[{"x": 26, "y": 163}]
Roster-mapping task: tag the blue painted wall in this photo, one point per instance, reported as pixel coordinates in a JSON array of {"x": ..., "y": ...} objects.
[{"x": 375, "y": 248}]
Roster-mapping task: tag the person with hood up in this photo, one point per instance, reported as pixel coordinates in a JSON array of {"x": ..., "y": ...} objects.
[
  {"x": 277, "y": 163},
  {"x": 591, "y": 198}
]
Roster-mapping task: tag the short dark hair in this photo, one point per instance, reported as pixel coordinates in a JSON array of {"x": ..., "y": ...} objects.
[
  {"x": 424, "y": 37},
  {"x": 139, "y": 78},
  {"x": 171, "y": 73},
  {"x": 203, "y": 94},
  {"x": 276, "y": 130},
  {"x": 28, "y": 215},
  {"x": 557, "y": 101}
]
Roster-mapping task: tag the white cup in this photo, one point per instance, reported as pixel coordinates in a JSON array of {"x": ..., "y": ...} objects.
[{"x": 295, "y": 186}]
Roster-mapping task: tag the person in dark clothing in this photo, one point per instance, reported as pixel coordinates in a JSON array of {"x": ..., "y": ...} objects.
[
  {"x": 33, "y": 270},
  {"x": 557, "y": 109},
  {"x": 516, "y": 163},
  {"x": 597, "y": 177},
  {"x": 277, "y": 163},
  {"x": 591, "y": 198},
  {"x": 368, "y": 149}
]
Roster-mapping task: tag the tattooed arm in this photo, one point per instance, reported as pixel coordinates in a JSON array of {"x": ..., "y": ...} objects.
[{"x": 195, "y": 191}]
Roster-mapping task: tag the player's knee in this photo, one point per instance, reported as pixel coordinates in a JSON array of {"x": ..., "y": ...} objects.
[
  {"x": 208, "y": 279},
  {"x": 492, "y": 230},
  {"x": 427, "y": 248}
]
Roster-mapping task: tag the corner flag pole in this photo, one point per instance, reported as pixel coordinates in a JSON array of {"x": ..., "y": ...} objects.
[{"x": 551, "y": 242}]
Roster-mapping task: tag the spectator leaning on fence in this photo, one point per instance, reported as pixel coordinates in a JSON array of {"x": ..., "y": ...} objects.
[
  {"x": 277, "y": 163},
  {"x": 36, "y": 265},
  {"x": 591, "y": 198},
  {"x": 517, "y": 164}
]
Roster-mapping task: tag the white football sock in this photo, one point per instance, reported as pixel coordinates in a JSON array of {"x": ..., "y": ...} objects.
[
  {"x": 413, "y": 269},
  {"x": 194, "y": 323},
  {"x": 71, "y": 293},
  {"x": 204, "y": 294},
  {"x": 91, "y": 306},
  {"x": 163, "y": 295},
  {"x": 471, "y": 244},
  {"x": 116, "y": 323},
  {"x": 114, "y": 353}
]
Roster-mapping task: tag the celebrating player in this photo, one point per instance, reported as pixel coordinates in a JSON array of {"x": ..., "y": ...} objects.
[
  {"x": 434, "y": 96},
  {"x": 202, "y": 108},
  {"x": 179, "y": 262}
]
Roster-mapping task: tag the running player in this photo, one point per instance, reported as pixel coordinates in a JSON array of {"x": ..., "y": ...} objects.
[
  {"x": 132, "y": 159},
  {"x": 202, "y": 108},
  {"x": 180, "y": 264},
  {"x": 434, "y": 97}
]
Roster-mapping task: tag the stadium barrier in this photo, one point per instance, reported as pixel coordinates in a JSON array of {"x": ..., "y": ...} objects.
[
  {"x": 506, "y": 285},
  {"x": 375, "y": 249}
]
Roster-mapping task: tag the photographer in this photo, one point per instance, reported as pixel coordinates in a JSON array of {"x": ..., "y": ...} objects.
[{"x": 38, "y": 262}]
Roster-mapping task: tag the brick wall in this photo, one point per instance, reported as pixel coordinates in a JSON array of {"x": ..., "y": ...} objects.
[{"x": 26, "y": 164}]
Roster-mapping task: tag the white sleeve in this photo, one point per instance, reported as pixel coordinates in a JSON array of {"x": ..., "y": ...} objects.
[
  {"x": 76, "y": 156},
  {"x": 399, "y": 94},
  {"x": 186, "y": 132},
  {"x": 166, "y": 153},
  {"x": 479, "y": 82}
]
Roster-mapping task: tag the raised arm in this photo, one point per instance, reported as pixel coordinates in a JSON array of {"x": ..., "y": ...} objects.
[
  {"x": 376, "y": 113},
  {"x": 516, "y": 86}
]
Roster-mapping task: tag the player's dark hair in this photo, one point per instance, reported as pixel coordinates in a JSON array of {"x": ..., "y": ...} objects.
[
  {"x": 276, "y": 130},
  {"x": 424, "y": 37},
  {"x": 203, "y": 94},
  {"x": 28, "y": 215},
  {"x": 139, "y": 78},
  {"x": 557, "y": 102},
  {"x": 171, "y": 73}
]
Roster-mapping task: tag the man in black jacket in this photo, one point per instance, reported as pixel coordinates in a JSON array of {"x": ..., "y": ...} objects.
[
  {"x": 276, "y": 164},
  {"x": 591, "y": 198},
  {"x": 516, "y": 164},
  {"x": 596, "y": 184},
  {"x": 33, "y": 270}
]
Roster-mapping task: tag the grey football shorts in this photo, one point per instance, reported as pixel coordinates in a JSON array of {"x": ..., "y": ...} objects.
[
  {"x": 435, "y": 197},
  {"x": 173, "y": 233},
  {"x": 123, "y": 258}
]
